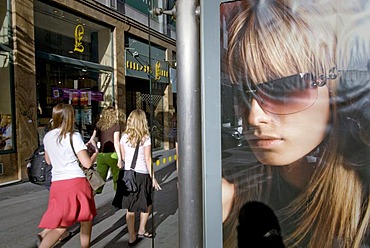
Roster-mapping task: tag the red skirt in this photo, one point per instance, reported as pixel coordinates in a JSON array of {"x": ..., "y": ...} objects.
[{"x": 70, "y": 201}]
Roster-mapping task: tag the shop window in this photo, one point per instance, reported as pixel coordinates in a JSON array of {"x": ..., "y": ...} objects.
[
  {"x": 74, "y": 58},
  {"x": 5, "y": 22},
  {"x": 6, "y": 117}
]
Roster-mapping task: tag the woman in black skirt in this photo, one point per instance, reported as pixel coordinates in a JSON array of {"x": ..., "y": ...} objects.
[{"x": 140, "y": 201}]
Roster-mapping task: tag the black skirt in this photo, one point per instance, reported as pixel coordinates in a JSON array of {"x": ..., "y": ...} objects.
[{"x": 138, "y": 201}]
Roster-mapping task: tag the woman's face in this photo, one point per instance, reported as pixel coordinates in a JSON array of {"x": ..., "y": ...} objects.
[{"x": 283, "y": 139}]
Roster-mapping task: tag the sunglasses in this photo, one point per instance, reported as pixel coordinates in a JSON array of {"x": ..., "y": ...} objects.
[{"x": 282, "y": 96}]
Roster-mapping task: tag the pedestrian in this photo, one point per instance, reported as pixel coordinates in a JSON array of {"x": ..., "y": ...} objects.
[
  {"x": 71, "y": 198},
  {"x": 107, "y": 132},
  {"x": 302, "y": 88},
  {"x": 141, "y": 201}
]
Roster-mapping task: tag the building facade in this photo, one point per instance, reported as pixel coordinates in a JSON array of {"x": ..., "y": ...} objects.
[{"x": 90, "y": 54}]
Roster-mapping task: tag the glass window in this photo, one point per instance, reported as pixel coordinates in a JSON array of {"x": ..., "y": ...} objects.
[
  {"x": 295, "y": 82},
  {"x": 4, "y": 25},
  {"x": 6, "y": 100},
  {"x": 73, "y": 65},
  {"x": 6, "y": 130},
  {"x": 62, "y": 33}
]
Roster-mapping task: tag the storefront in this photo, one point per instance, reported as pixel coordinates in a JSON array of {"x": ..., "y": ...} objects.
[
  {"x": 147, "y": 81},
  {"x": 7, "y": 116},
  {"x": 51, "y": 52},
  {"x": 74, "y": 64}
]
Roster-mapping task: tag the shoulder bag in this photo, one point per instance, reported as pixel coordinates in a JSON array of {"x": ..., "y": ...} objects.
[
  {"x": 129, "y": 176},
  {"x": 94, "y": 178}
]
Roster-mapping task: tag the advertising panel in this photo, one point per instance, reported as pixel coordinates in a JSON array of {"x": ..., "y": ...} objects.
[{"x": 296, "y": 78}]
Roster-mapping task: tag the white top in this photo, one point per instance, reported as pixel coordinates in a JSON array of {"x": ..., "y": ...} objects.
[
  {"x": 129, "y": 154},
  {"x": 65, "y": 163}
]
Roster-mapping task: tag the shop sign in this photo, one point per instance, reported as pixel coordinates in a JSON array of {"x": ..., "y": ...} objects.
[
  {"x": 79, "y": 32},
  {"x": 138, "y": 67},
  {"x": 84, "y": 97}
]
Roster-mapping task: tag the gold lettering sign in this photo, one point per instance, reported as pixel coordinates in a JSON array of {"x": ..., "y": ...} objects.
[
  {"x": 146, "y": 69},
  {"x": 157, "y": 70},
  {"x": 79, "y": 32}
]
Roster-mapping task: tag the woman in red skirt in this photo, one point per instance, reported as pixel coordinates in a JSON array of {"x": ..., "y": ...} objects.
[{"x": 71, "y": 198}]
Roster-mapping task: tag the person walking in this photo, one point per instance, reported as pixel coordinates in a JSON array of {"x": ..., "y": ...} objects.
[
  {"x": 137, "y": 132},
  {"x": 107, "y": 132},
  {"x": 71, "y": 198}
]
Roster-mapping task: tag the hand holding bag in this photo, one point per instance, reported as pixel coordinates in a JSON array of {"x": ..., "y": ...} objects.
[
  {"x": 129, "y": 176},
  {"x": 94, "y": 178}
]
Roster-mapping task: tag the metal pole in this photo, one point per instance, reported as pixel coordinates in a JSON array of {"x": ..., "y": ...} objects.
[{"x": 189, "y": 125}]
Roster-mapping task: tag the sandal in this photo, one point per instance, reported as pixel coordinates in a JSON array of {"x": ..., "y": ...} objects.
[
  {"x": 66, "y": 236},
  {"x": 137, "y": 240},
  {"x": 145, "y": 235},
  {"x": 38, "y": 240}
]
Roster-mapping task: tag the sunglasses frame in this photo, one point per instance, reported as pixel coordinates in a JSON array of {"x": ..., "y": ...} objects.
[{"x": 252, "y": 90}]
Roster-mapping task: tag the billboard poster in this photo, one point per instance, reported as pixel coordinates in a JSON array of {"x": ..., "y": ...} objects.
[{"x": 296, "y": 88}]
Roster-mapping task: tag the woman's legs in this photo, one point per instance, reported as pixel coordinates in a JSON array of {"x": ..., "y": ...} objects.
[
  {"x": 51, "y": 237},
  {"x": 85, "y": 233},
  {"x": 130, "y": 221},
  {"x": 143, "y": 219},
  {"x": 112, "y": 162}
]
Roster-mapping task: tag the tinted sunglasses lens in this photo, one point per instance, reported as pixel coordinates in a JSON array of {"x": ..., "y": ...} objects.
[{"x": 287, "y": 95}]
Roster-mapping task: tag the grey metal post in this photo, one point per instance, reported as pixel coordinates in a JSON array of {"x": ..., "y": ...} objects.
[{"x": 189, "y": 125}]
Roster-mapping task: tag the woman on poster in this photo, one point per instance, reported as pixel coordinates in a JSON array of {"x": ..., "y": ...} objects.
[{"x": 302, "y": 89}]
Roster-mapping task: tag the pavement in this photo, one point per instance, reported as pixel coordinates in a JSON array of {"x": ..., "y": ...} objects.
[{"x": 22, "y": 205}]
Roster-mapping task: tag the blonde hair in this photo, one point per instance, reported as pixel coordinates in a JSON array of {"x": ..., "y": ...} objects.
[
  {"x": 137, "y": 127},
  {"x": 63, "y": 118},
  {"x": 110, "y": 117},
  {"x": 274, "y": 39},
  {"x": 270, "y": 40}
]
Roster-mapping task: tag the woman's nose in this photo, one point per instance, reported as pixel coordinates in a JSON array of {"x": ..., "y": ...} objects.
[{"x": 256, "y": 114}]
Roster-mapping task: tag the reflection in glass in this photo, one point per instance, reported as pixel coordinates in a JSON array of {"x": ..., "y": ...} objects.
[{"x": 6, "y": 132}]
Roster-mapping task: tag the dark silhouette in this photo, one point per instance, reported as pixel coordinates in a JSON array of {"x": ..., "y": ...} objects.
[{"x": 258, "y": 227}]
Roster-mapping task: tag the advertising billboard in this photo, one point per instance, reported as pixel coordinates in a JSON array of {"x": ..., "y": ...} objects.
[{"x": 295, "y": 81}]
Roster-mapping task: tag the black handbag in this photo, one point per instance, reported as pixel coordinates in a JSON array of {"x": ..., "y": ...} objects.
[
  {"x": 94, "y": 178},
  {"x": 129, "y": 176}
]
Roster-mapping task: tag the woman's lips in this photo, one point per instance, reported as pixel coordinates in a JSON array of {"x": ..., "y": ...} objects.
[{"x": 264, "y": 142}]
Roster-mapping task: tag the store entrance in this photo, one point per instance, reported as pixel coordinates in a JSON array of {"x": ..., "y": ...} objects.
[{"x": 83, "y": 87}]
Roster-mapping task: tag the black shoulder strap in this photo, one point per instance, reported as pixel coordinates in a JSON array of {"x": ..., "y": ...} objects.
[
  {"x": 133, "y": 163},
  {"x": 73, "y": 149},
  {"x": 70, "y": 140}
]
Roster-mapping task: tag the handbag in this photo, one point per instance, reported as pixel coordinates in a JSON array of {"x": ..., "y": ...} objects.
[
  {"x": 129, "y": 176},
  {"x": 94, "y": 178}
]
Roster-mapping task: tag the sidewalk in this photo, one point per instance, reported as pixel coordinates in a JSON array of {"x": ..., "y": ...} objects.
[
  {"x": 110, "y": 229},
  {"x": 23, "y": 204}
]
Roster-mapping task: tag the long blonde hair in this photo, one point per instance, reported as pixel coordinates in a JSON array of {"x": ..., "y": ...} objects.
[
  {"x": 63, "y": 118},
  {"x": 274, "y": 39},
  {"x": 137, "y": 127}
]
